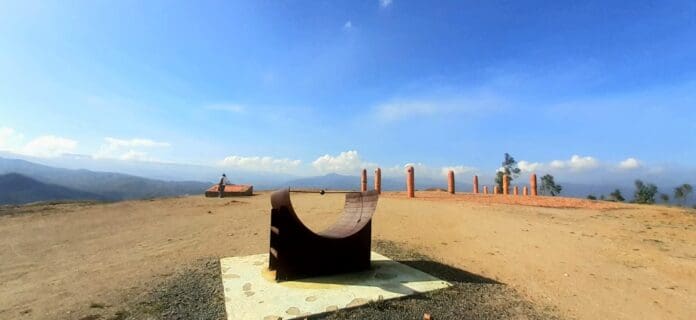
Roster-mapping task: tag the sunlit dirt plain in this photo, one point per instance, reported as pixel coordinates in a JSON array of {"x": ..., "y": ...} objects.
[{"x": 587, "y": 259}]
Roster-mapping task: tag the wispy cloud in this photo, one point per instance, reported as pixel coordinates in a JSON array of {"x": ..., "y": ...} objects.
[
  {"x": 9, "y": 138},
  {"x": 580, "y": 164},
  {"x": 260, "y": 163},
  {"x": 49, "y": 146},
  {"x": 348, "y": 25},
  {"x": 385, "y": 3},
  {"x": 404, "y": 108},
  {"x": 228, "y": 107},
  {"x": 128, "y": 149},
  {"x": 45, "y": 146}
]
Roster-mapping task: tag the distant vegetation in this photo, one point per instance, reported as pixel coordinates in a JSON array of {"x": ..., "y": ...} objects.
[
  {"x": 549, "y": 186},
  {"x": 645, "y": 193},
  {"x": 664, "y": 197},
  {"x": 509, "y": 167},
  {"x": 681, "y": 193},
  {"x": 616, "y": 196}
]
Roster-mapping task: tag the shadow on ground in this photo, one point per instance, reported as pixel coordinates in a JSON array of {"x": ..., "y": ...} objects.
[
  {"x": 196, "y": 292},
  {"x": 471, "y": 296}
]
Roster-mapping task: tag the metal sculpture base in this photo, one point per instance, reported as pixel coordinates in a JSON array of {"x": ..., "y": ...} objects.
[{"x": 297, "y": 252}]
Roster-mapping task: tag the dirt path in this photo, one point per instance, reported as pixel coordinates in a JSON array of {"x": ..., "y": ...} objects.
[{"x": 635, "y": 262}]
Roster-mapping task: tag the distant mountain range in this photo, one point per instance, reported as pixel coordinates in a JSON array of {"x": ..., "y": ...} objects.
[
  {"x": 18, "y": 189},
  {"x": 85, "y": 184},
  {"x": 58, "y": 183}
]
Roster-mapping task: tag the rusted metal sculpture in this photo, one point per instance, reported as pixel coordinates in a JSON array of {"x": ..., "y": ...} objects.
[
  {"x": 378, "y": 180},
  {"x": 450, "y": 182},
  {"x": 297, "y": 252},
  {"x": 410, "y": 182},
  {"x": 475, "y": 183},
  {"x": 533, "y": 184}
]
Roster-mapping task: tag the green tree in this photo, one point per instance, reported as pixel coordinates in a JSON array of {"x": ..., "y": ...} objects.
[
  {"x": 549, "y": 186},
  {"x": 645, "y": 193},
  {"x": 601, "y": 197},
  {"x": 591, "y": 197},
  {"x": 664, "y": 197},
  {"x": 616, "y": 196},
  {"x": 509, "y": 167},
  {"x": 682, "y": 192}
]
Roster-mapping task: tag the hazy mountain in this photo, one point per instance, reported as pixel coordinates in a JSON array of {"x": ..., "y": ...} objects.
[
  {"x": 159, "y": 170},
  {"x": 18, "y": 189},
  {"x": 108, "y": 185}
]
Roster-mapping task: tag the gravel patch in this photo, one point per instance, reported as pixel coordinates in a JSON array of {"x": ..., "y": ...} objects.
[{"x": 196, "y": 293}]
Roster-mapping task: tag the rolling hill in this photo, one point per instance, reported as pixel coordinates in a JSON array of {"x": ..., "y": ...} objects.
[
  {"x": 19, "y": 189},
  {"x": 105, "y": 185}
]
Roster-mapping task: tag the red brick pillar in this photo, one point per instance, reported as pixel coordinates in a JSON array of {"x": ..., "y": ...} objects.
[
  {"x": 517, "y": 190},
  {"x": 525, "y": 191},
  {"x": 485, "y": 189},
  {"x": 410, "y": 182},
  {"x": 378, "y": 180},
  {"x": 533, "y": 184},
  {"x": 363, "y": 180},
  {"x": 506, "y": 184},
  {"x": 496, "y": 190},
  {"x": 475, "y": 183},
  {"x": 450, "y": 181}
]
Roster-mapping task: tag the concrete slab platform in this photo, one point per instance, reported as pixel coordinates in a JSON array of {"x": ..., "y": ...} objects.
[{"x": 251, "y": 291}]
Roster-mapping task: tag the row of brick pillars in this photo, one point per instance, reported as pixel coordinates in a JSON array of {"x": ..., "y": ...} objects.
[{"x": 411, "y": 188}]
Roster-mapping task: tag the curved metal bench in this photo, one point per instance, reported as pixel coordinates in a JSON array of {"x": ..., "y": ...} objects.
[{"x": 298, "y": 252}]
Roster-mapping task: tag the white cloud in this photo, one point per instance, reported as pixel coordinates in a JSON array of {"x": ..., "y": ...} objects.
[
  {"x": 48, "y": 146},
  {"x": 629, "y": 164},
  {"x": 136, "y": 142},
  {"x": 399, "y": 109},
  {"x": 347, "y": 162},
  {"x": 257, "y": 163},
  {"x": 128, "y": 149},
  {"x": 229, "y": 107},
  {"x": 526, "y": 166},
  {"x": 576, "y": 163},
  {"x": 9, "y": 138},
  {"x": 385, "y": 3},
  {"x": 348, "y": 25},
  {"x": 458, "y": 170}
]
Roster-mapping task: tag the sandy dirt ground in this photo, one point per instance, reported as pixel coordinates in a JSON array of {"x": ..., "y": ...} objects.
[{"x": 592, "y": 260}]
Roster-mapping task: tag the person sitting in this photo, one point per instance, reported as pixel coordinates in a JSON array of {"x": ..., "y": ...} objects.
[{"x": 221, "y": 186}]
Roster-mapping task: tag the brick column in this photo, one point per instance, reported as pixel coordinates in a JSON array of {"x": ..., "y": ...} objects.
[
  {"x": 485, "y": 189},
  {"x": 506, "y": 184},
  {"x": 450, "y": 181},
  {"x": 496, "y": 190},
  {"x": 363, "y": 180},
  {"x": 378, "y": 180},
  {"x": 410, "y": 182},
  {"x": 533, "y": 184},
  {"x": 475, "y": 183},
  {"x": 517, "y": 190},
  {"x": 525, "y": 191}
]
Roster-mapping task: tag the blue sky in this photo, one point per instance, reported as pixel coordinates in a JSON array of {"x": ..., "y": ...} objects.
[{"x": 332, "y": 86}]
